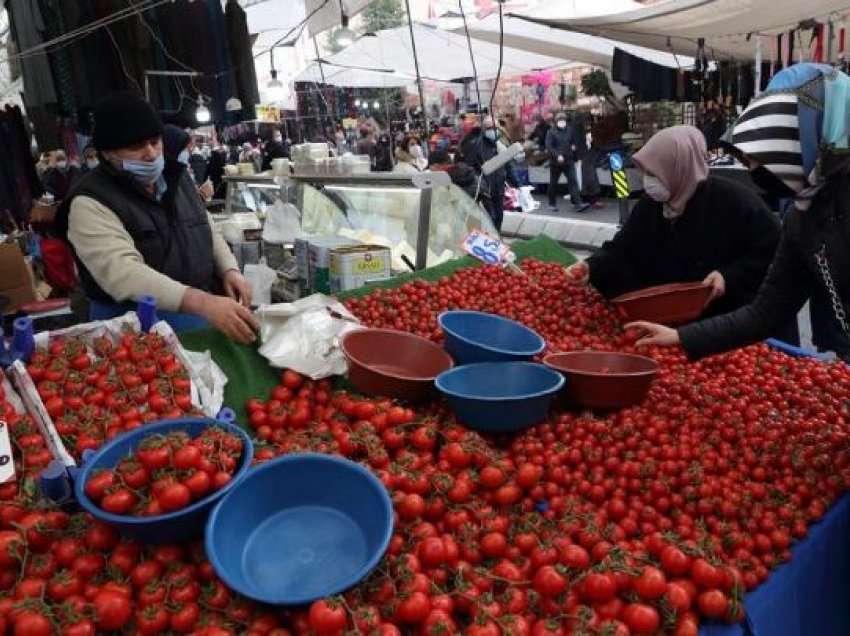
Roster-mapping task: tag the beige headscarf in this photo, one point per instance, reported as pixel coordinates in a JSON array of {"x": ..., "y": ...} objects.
[{"x": 677, "y": 157}]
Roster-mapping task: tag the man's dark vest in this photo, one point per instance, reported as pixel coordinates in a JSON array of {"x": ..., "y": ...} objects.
[{"x": 172, "y": 235}]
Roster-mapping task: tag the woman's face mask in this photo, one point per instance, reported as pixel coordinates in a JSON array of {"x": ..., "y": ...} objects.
[
  {"x": 183, "y": 157},
  {"x": 415, "y": 151},
  {"x": 656, "y": 190},
  {"x": 562, "y": 124},
  {"x": 92, "y": 163},
  {"x": 491, "y": 134}
]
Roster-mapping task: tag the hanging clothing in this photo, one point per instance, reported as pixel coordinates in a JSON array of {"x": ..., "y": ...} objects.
[
  {"x": 242, "y": 55},
  {"x": 28, "y": 29},
  {"x": 649, "y": 81},
  {"x": 19, "y": 183}
]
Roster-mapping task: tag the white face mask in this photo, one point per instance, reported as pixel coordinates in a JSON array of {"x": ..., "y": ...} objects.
[
  {"x": 61, "y": 164},
  {"x": 91, "y": 164},
  {"x": 562, "y": 124},
  {"x": 656, "y": 190},
  {"x": 416, "y": 151}
]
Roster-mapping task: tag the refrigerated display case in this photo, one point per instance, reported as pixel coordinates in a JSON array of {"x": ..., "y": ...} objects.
[{"x": 394, "y": 210}]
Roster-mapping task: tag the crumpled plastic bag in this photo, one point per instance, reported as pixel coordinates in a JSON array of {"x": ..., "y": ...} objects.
[
  {"x": 527, "y": 202},
  {"x": 261, "y": 277},
  {"x": 304, "y": 336},
  {"x": 283, "y": 223}
]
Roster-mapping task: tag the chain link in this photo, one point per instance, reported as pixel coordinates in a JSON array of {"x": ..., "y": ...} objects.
[{"x": 837, "y": 305}]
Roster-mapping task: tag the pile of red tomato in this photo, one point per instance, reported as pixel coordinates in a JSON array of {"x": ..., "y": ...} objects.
[
  {"x": 649, "y": 520},
  {"x": 167, "y": 473},
  {"x": 93, "y": 394}
]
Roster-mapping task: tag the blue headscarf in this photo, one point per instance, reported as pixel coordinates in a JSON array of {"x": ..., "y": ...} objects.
[{"x": 799, "y": 128}]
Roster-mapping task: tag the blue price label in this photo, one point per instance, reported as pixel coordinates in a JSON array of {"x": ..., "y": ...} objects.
[
  {"x": 616, "y": 161},
  {"x": 484, "y": 255}
]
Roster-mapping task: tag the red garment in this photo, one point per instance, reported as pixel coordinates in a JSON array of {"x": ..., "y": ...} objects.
[{"x": 59, "y": 267}]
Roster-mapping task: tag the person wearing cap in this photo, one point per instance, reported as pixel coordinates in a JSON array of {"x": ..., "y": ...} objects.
[{"x": 137, "y": 227}]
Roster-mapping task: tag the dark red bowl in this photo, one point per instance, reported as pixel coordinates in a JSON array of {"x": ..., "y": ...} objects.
[
  {"x": 672, "y": 304},
  {"x": 604, "y": 380},
  {"x": 393, "y": 364}
]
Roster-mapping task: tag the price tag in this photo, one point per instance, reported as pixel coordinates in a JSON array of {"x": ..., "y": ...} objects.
[
  {"x": 7, "y": 466},
  {"x": 486, "y": 248}
]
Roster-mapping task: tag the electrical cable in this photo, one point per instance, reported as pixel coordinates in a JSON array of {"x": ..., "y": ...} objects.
[
  {"x": 70, "y": 37},
  {"x": 471, "y": 56},
  {"x": 295, "y": 28},
  {"x": 501, "y": 59},
  {"x": 121, "y": 61}
]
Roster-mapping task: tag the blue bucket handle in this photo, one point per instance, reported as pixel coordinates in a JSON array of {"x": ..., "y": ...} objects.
[
  {"x": 23, "y": 338},
  {"x": 146, "y": 310},
  {"x": 55, "y": 482}
]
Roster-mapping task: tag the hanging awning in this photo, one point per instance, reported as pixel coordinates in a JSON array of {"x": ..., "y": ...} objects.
[
  {"x": 726, "y": 26},
  {"x": 443, "y": 56},
  {"x": 576, "y": 47},
  {"x": 353, "y": 78}
]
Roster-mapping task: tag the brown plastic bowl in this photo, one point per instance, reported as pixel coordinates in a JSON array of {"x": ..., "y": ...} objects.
[
  {"x": 604, "y": 380},
  {"x": 672, "y": 304},
  {"x": 393, "y": 363}
]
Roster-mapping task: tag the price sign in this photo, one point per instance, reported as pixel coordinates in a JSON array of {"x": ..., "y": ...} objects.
[
  {"x": 486, "y": 248},
  {"x": 7, "y": 466}
]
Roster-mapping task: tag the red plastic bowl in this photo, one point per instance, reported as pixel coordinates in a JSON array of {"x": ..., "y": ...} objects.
[
  {"x": 672, "y": 304},
  {"x": 604, "y": 380},
  {"x": 393, "y": 363}
]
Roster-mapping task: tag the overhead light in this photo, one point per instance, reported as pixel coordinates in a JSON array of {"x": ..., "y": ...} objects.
[
  {"x": 275, "y": 87},
  {"x": 356, "y": 103},
  {"x": 202, "y": 115},
  {"x": 365, "y": 105},
  {"x": 376, "y": 104},
  {"x": 344, "y": 36},
  {"x": 232, "y": 105}
]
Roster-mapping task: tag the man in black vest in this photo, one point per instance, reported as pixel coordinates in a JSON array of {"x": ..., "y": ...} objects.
[{"x": 137, "y": 226}]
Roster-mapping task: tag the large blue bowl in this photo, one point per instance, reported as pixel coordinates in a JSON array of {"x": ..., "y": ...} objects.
[
  {"x": 500, "y": 397},
  {"x": 474, "y": 336},
  {"x": 300, "y": 528},
  {"x": 174, "y": 526}
]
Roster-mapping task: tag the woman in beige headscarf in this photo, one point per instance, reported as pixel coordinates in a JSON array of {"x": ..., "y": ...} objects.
[{"x": 689, "y": 226}]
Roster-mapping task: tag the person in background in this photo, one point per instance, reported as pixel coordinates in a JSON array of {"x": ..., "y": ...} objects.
[
  {"x": 561, "y": 145},
  {"x": 137, "y": 227},
  {"x": 44, "y": 163},
  {"x": 689, "y": 226},
  {"x": 59, "y": 179},
  {"x": 90, "y": 160},
  {"x": 383, "y": 154},
  {"x": 176, "y": 146},
  {"x": 541, "y": 130},
  {"x": 479, "y": 146},
  {"x": 789, "y": 155},
  {"x": 274, "y": 149},
  {"x": 462, "y": 175},
  {"x": 410, "y": 158},
  {"x": 340, "y": 141},
  {"x": 366, "y": 145},
  {"x": 215, "y": 172},
  {"x": 198, "y": 163}
]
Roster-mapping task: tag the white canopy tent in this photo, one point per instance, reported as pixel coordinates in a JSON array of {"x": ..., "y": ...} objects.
[
  {"x": 353, "y": 78},
  {"x": 727, "y": 26},
  {"x": 565, "y": 45},
  {"x": 443, "y": 56}
]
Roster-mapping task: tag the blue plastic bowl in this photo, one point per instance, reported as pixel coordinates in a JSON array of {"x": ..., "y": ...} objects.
[
  {"x": 500, "y": 397},
  {"x": 474, "y": 336},
  {"x": 300, "y": 528},
  {"x": 174, "y": 526}
]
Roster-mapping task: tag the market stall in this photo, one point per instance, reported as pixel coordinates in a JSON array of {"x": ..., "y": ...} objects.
[{"x": 725, "y": 478}]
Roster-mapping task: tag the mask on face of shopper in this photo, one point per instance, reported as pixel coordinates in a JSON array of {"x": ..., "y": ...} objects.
[
  {"x": 491, "y": 134},
  {"x": 415, "y": 151},
  {"x": 562, "y": 124},
  {"x": 183, "y": 157},
  {"x": 145, "y": 172},
  {"x": 656, "y": 190},
  {"x": 92, "y": 163},
  {"x": 62, "y": 164}
]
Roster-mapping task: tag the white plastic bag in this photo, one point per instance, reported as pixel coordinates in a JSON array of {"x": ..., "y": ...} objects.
[
  {"x": 261, "y": 277},
  {"x": 527, "y": 202},
  {"x": 283, "y": 223},
  {"x": 304, "y": 335}
]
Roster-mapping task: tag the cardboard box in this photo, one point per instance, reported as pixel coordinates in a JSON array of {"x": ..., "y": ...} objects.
[
  {"x": 355, "y": 266},
  {"x": 16, "y": 279},
  {"x": 313, "y": 256}
]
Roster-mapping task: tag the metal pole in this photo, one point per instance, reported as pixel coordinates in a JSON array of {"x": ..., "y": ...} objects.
[
  {"x": 425, "y": 145},
  {"x": 424, "y": 230},
  {"x": 331, "y": 115}
]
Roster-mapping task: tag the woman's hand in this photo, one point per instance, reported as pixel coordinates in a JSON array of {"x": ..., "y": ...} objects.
[
  {"x": 237, "y": 287},
  {"x": 718, "y": 285},
  {"x": 578, "y": 273},
  {"x": 655, "y": 334}
]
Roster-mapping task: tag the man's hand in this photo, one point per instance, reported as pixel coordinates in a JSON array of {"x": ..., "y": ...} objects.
[
  {"x": 225, "y": 314},
  {"x": 578, "y": 273},
  {"x": 237, "y": 287},
  {"x": 206, "y": 190},
  {"x": 718, "y": 285},
  {"x": 655, "y": 334}
]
